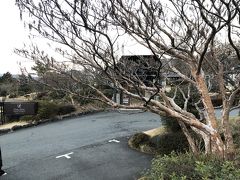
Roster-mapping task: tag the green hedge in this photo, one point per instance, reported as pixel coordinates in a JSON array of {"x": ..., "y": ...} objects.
[
  {"x": 48, "y": 110},
  {"x": 187, "y": 166},
  {"x": 170, "y": 123},
  {"x": 138, "y": 139},
  {"x": 27, "y": 118},
  {"x": 66, "y": 109},
  {"x": 169, "y": 142},
  {"x": 161, "y": 144}
]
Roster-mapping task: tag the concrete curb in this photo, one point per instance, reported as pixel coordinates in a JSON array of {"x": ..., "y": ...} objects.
[
  {"x": 57, "y": 118},
  {"x": 142, "y": 144},
  {"x": 141, "y": 141}
]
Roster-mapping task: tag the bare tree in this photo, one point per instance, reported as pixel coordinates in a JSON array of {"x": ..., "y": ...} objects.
[{"x": 185, "y": 37}]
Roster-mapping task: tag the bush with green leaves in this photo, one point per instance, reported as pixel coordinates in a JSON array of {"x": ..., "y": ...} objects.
[
  {"x": 3, "y": 93},
  {"x": 66, "y": 109},
  {"x": 27, "y": 118},
  {"x": 187, "y": 166},
  {"x": 138, "y": 139},
  {"x": 56, "y": 94},
  {"x": 170, "y": 123},
  {"x": 13, "y": 95},
  {"x": 168, "y": 142},
  {"x": 47, "y": 109},
  {"x": 82, "y": 101},
  {"x": 179, "y": 166},
  {"x": 235, "y": 124}
]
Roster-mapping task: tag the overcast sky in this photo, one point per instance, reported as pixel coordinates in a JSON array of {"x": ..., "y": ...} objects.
[{"x": 13, "y": 35}]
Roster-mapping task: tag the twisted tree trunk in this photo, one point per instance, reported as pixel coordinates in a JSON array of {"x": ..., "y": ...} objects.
[{"x": 216, "y": 144}]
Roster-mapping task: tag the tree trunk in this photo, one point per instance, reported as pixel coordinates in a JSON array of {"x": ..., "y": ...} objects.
[
  {"x": 206, "y": 99},
  {"x": 227, "y": 103},
  {"x": 212, "y": 142},
  {"x": 190, "y": 140},
  {"x": 228, "y": 139},
  {"x": 216, "y": 143}
]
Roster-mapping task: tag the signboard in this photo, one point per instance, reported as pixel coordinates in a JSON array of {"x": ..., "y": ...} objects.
[
  {"x": 126, "y": 99},
  {"x": 20, "y": 108}
]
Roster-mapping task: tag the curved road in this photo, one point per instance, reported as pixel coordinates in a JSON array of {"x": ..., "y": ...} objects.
[{"x": 91, "y": 147}]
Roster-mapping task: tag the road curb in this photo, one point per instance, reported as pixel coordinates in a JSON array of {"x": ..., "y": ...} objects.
[
  {"x": 141, "y": 143},
  {"x": 55, "y": 119}
]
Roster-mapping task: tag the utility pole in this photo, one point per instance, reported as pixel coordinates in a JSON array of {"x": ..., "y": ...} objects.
[{"x": 2, "y": 172}]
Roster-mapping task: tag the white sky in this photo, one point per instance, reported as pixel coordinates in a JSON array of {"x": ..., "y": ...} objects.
[{"x": 12, "y": 35}]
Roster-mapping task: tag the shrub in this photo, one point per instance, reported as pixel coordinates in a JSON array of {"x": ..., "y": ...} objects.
[
  {"x": 82, "y": 101},
  {"x": 162, "y": 144},
  {"x": 3, "y": 93},
  {"x": 213, "y": 168},
  {"x": 169, "y": 142},
  {"x": 12, "y": 95},
  {"x": 137, "y": 139},
  {"x": 173, "y": 165},
  {"x": 27, "y": 118},
  {"x": 41, "y": 95},
  {"x": 170, "y": 123},
  {"x": 187, "y": 166},
  {"x": 65, "y": 109},
  {"x": 235, "y": 123},
  {"x": 57, "y": 94},
  {"x": 141, "y": 142},
  {"x": 21, "y": 93},
  {"x": 46, "y": 110},
  {"x": 12, "y": 118}
]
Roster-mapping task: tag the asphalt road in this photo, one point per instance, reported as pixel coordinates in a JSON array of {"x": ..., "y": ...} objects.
[
  {"x": 234, "y": 112},
  {"x": 36, "y": 153}
]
